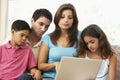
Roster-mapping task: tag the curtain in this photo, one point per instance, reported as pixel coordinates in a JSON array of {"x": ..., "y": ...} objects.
[{"x": 3, "y": 19}]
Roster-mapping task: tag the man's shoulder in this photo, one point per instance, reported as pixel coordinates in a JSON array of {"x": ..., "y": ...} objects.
[{"x": 46, "y": 35}]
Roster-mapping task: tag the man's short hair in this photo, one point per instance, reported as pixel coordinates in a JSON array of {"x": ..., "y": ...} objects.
[{"x": 42, "y": 12}]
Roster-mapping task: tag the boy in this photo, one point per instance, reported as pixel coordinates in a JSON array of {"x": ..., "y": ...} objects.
[{"x": 15, "y": 56}]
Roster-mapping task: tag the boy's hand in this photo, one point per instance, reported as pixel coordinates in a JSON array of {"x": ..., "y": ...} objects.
[{"x": 37, "y": 75}]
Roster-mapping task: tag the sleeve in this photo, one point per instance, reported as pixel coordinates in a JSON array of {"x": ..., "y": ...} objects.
[
  {"x": 31, "y": 60},
  {"x": 46, "y": 39},
  {"x": 79, "y": 34}
]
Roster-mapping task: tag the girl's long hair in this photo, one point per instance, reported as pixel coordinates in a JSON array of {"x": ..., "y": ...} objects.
[{"x": 104, "y": 45}]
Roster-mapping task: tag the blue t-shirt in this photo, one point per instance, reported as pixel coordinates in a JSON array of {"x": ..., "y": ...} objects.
[{"x": 56, "y": 52}]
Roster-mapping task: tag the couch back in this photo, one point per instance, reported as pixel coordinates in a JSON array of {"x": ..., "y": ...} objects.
[{"x": 116, "y": 48}]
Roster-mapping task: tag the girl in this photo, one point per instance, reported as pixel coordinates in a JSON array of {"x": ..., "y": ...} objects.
[{"x": 94, "y": 45}]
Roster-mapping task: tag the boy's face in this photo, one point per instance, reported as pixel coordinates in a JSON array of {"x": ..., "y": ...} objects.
[
  {"x": 19, "y": 37},
  {"x": 40, "y": 26}
]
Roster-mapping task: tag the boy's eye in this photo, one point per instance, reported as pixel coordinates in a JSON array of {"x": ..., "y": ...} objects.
[{"x": 22, "y": 35}]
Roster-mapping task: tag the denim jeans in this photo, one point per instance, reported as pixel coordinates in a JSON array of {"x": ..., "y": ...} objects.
[{"x": 25, "y": 76}]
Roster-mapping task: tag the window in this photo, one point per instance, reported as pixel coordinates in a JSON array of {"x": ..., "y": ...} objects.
[{"x": 3, "y": 19}]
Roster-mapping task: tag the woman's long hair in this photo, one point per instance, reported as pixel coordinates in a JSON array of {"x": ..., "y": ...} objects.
[{"x": 72, "y": 32}]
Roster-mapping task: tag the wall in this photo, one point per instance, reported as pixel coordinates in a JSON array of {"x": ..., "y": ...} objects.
[{"x": 105, "y": 13}]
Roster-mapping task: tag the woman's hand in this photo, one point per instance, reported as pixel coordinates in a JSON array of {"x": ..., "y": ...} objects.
[{"x": 56, "y": 65}]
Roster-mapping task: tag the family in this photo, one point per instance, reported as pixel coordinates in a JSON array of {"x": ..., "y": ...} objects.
[{"x": 29, "y": 55}]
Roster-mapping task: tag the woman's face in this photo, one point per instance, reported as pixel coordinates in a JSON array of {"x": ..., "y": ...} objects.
[
  {"x": 92, "y": 43},
  {"x": 66, "y": 19}
]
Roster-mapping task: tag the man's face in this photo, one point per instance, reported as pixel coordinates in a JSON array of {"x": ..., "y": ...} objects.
[{"x": 40, "y": 26}]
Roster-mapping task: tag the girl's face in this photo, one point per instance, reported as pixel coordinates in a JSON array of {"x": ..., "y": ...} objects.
[
  {"x": 66, "y": 19},
  {"x": 92, "y": 43}
]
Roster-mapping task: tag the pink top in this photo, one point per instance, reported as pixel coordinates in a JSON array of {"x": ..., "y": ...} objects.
[{"x": 15, "y": 61}]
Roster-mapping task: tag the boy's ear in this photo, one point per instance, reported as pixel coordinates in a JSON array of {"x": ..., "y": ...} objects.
[{"x": 12, "y": 31}]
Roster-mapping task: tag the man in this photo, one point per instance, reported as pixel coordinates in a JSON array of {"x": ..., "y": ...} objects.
[{"x": 40, "y": 22}]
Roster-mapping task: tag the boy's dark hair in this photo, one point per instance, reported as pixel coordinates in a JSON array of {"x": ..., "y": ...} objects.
[
  {"x": 42, "y": 12},
  {"x": 20, "y": 25}
]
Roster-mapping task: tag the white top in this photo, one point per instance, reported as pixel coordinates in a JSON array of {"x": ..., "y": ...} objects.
[
  {"x": 35, "y": 48},
  {"x": 103, "y": 72}
]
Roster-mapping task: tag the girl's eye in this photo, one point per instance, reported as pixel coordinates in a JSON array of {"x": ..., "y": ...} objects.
[
  {"x": 92, "y": 41},
  {"x": 62, "y": 16},
  {"x": 86, "y": 43}
]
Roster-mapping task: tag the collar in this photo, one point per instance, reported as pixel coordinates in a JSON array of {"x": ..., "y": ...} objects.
[
  {"x": 8, "y": 45},
  {"x": 29, "y": 43}
]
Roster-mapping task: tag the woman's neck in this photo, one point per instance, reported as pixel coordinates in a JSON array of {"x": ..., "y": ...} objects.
[{"x": 63, "y": 40}]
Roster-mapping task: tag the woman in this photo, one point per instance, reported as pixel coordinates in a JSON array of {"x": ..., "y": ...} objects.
[{"x": 61, "y": 42}]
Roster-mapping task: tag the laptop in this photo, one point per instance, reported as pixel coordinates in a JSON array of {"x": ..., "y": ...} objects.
[{"x": 72, "y": 68}]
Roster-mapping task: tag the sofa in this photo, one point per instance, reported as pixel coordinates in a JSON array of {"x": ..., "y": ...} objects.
[{"x": 116, "y": 49}]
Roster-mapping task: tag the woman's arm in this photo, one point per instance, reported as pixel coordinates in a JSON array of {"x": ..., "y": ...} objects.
[
  {"x": 42, "y": 58},
  {"x": 112, "y": 67}
]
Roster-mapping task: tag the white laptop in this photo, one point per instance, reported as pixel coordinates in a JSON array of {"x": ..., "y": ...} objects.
[{"x": 72, "y": 68}]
